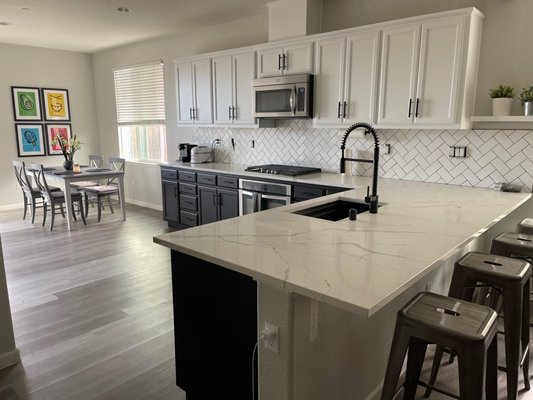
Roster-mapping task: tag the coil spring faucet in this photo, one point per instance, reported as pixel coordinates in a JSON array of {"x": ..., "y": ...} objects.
[{"x": 372, "y": 200}]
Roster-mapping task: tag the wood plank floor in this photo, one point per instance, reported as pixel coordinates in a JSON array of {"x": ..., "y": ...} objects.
[
  {"x": 92, "y": 309},
  {"x": 92, "y": 312}
]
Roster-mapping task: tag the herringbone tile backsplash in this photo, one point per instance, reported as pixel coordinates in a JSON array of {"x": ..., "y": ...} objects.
[{"x": 420, "y": 155}]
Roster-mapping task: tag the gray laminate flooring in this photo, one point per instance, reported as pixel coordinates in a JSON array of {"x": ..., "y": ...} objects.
[
  {"x": 92, "y": 309},
  {"x": 92, "y": 312}
]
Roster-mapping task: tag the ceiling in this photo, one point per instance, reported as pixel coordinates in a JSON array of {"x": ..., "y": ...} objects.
[{"x": 90, "y": 26}]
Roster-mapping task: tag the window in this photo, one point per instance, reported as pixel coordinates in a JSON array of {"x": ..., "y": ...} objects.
[{"x": 140, "y": 97}]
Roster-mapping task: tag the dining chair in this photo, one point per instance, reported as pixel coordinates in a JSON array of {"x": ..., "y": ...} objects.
[
  {"x": 32, "y": 195},
  {"x": 95, "y": 161},
  {"x": 55, "y": 198},
  {"x": 97, "y": 193}
]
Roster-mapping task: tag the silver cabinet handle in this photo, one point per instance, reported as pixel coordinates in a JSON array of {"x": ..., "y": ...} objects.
[
  {"x": 234, "y": 112},
  {"x": 190, "y": 113}
]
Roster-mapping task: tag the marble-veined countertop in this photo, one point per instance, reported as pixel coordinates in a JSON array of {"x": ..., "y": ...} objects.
[{"x": 356, "y": 265}]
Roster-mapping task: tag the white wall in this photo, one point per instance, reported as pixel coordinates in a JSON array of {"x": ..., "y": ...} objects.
[
  {"x": 226, "y": 36},
  {"x": 38, "y": 67}
]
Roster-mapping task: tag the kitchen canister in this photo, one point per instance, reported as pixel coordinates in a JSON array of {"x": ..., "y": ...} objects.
[{"x": 528, "y": 108}]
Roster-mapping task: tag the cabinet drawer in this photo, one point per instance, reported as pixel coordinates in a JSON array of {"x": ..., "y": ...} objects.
[
  {"x": 188, "y": 218},
  {"x": 188, "y": 203},
  {"x": 207, "y": 179},
  {"x": 187, "y": 176},
  {"x": 187, "y": 188},
  {"x": 169, "y": 174},
  {"x": 307, "y": 192},
  {"x": 228, "y": 182}
]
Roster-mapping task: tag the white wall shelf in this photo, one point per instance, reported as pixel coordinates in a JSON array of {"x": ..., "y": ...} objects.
[{"x": 508, "y": 122}]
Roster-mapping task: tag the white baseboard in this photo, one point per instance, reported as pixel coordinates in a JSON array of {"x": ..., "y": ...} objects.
[
  {"x": 158, "y": 207},
  {"x": 9, "y": 358}
]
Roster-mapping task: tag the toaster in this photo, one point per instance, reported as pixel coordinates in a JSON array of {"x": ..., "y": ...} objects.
[{"x": 201, "y": 154}]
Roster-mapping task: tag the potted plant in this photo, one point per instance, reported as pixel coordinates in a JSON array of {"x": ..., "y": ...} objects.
[
  {"x": 68, "y": 148},
  {"x": 526, "y": 98},
  {"x": 502, "y": 100}
]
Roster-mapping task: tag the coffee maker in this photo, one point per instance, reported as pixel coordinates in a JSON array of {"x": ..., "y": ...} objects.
[{"x": 184, "y": 150}]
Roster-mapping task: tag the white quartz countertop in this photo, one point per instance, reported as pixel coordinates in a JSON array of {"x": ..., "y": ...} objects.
[
  {"x": 324, "y": 178},
  {"x": 358, "y": 265}
]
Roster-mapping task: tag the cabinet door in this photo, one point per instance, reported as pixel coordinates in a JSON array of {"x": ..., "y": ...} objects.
[
  {"x": 399, "y": 63},
  {"x": 170, "y": 201},
  {"x": 329, "y": 81},
  {"x": 243, "y": 75},
  {"x": 269, "y": 62},
  {"x": 361, "y": 78},
  {"x": 222, "y": 90},
  {"x": 184, "y": 80},
  {"x": 298, "y": 59},
  {"x": 208, "y": 204},
  {"x": 438, "y": 77},
  {"x": 202, "y": 86},
  {"x": 228, "y": 203}
]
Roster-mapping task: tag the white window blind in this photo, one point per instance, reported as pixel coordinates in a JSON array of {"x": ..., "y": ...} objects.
[
  {"x": 140, "y": 94},
  {"x": 140, "y": 98}
]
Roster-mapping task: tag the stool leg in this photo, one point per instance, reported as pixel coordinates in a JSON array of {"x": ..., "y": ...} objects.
[
  {"x": 491, "y": 384},
  {"x": 525, "y": 334},
  {"x": 399, "y": 346},
  {"x": 435, "y": 368},
  {"x": 415, "y": 359},
  {"x": 472, "y": 363},
  {"x": 512, "y": 308}
]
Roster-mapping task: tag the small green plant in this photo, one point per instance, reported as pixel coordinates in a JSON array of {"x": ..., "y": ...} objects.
[
  {"x": 526, "y": 95},
  {"x": 502, "y": 91}
]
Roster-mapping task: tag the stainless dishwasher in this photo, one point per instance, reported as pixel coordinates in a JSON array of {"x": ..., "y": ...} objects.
[{"x": 257, "y": 196}]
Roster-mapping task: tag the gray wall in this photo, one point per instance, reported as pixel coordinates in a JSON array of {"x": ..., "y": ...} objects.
[{"x": 38, "y": 67}]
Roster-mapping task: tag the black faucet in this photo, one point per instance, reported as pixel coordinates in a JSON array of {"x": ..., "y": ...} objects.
[{"x": 370, "y": 199}]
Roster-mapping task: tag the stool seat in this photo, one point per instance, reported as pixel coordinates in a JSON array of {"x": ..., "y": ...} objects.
[
  {"x": 494, "y": 269},
  {"x": 526, "y": 226},
  {"x": 511, "y": 244},
  {"x": 467, "y": 328}
]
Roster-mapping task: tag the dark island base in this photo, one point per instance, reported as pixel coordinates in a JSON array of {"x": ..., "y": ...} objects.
[{"x": 215, "y": 329}]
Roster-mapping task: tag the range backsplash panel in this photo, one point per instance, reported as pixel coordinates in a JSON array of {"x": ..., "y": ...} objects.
[{"x": 420, "y": 155}]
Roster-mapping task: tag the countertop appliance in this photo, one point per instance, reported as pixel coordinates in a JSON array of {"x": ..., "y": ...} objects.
[
  {"x": 257, "y": 196},
  {"x": 277, "y": 169},
  {"x": 289, "y": 96},
  {"x": 184, "y": 150},
  {"x": 201, "y": 154}
]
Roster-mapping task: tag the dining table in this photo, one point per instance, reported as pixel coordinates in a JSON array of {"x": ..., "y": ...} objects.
[{"x": 59, "y": 177}]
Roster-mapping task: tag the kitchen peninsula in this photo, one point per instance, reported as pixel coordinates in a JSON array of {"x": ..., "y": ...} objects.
[{"x": 333, "y": 288}]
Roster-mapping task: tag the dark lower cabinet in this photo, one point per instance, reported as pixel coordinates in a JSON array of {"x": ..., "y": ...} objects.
[
  {"x": 217, "y": 204},
  {"x": 170, "y": 201},
  {"x": 215, "y": 329}
]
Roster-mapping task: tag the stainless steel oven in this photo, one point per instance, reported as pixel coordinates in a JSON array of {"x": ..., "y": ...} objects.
[
  {"x": 257, "y": 196},
  {"x": 287, "y": 96}
]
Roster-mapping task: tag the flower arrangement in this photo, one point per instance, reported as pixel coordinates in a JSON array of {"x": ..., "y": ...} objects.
[{"x": 68, "y": 147}]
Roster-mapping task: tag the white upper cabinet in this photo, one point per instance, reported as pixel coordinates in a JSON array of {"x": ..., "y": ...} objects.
[
  {"x": 428, "y": 72},
  {"x": 232, "y": 88},
  {"x": 194, "y": 92},
  {"x": 346, "y": 79},
  {"x": 285, "y": 60}
]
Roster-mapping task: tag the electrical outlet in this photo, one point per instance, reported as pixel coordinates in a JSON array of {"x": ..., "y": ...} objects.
[
  {"x": 271, "y": 340},
  {"x": 386, "y": 148},
  {"x": 313, "y": 321}
]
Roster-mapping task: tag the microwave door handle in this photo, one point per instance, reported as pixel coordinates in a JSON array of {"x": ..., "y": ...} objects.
[{"x": 292, "y": 100}]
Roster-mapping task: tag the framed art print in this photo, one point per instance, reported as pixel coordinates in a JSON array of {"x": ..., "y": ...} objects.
[
  {"x": 30, "y": 140},
  {"x": 56, "y": 105},
  {"x": 26, "y": 103},
  {"x": 53, "y": 130}
]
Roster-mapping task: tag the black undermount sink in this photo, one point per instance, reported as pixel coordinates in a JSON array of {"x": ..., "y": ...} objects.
[{"x": 334, "y": 211}]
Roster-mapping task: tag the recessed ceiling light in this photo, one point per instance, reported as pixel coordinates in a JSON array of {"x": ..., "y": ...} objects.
[
  {"x": 5, "y": 23},
  {"x": 123, "y": 9}
]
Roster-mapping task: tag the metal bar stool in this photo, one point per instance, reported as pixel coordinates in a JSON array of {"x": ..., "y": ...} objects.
[
  {"x": 468, "y": 329},
  {"x": 510, "y": 278},
  {"x": 526, "y": 226}
]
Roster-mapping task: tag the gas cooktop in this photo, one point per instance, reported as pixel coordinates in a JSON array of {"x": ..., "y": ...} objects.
[{"x": 277, "y": 169}]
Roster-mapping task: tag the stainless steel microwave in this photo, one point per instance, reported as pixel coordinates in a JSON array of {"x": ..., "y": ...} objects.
[{"x": 289, "y": 96}]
